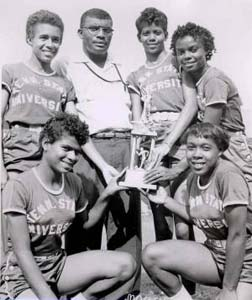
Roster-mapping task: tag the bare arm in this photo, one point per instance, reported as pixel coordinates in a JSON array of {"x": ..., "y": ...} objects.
[
  {"x": 19, "y": 234},
  {"x": 161, "y": 197},
  {"x": 136, "y": 106},
  {"x": 89, "y": 149},
  {"x": 107, "y": 170},
  {"x": 186, "y": 116},
  {"x": 4, "y": 104},
  {"x": 236, "y": 216},
  {"x": 98, "y": 209}
]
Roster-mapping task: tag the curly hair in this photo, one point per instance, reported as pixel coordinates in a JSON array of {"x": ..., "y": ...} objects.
[
  {"x": 208, "y": 131},
  {"x": 95, "y": 13},
  {"x": 43, "y": 17},
  {"x": 62, "y": 123},
  {"x": 198, "y": 33},
  {"x": 149, "y": 16}
]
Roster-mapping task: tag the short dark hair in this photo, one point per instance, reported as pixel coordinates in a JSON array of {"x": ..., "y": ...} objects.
[
  {"x": 208, "y": 131},
  {"x": 62, "y": 123},
  {"x": 95, "y": 13},
  {"x": 149, "y": 16},
  {"x": 198, "y": 33},
  {"x": 43, "y": 17}
]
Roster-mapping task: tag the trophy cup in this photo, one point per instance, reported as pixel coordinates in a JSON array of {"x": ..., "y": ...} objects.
[{"x": 140, "y": 157}]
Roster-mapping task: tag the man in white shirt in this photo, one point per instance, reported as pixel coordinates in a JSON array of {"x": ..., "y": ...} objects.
[{"x": 103, "y": 103}]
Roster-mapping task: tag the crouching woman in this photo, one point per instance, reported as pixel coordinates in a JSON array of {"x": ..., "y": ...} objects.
[
  {"x": 216, "y": 199},
  {"x": 39, "y": 206}
]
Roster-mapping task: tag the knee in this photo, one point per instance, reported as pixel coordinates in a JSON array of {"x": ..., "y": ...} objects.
[
  {"x": 126, "y": 267},
  {"x": 150, "y": 256},
  {"x": 182, "y": 231}
]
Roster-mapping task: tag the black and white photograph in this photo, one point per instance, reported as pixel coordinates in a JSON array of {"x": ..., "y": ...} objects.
[{"x": 126, "y": 150}]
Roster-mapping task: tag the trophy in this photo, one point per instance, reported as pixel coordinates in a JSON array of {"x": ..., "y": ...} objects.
[{"x": 140, "y": 157}]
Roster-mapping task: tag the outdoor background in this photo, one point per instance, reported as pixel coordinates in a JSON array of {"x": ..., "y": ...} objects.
[{"x": 230, "y": 21}]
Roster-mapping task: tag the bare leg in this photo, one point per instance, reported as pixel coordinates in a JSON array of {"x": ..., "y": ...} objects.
[
  {"x": 97, "y": 273},
  {"x": 27, "y": 295},
  {"x": 114, "y": 294},
  {"x": 184, "y": 231},
  {"x": 165, "y": 260},
  {"x": 244, "y": 291}
]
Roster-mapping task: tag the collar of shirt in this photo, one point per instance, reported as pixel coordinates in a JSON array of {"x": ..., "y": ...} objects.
[
  {"x": 205, "y": 74},
  {"x": 83, "y": 58}
]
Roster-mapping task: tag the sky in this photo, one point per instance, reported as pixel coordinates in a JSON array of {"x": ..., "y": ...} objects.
[{"x": 230, "y": 21}]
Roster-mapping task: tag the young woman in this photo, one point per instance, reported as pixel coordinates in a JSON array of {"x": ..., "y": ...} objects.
[
  {"x": 216, "y": 199},
  {"x": 40, "y": 205},
  {"x": 219, "y": 101}
]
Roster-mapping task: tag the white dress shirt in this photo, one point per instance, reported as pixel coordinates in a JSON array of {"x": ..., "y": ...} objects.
[{"x": 102, "y": 105}]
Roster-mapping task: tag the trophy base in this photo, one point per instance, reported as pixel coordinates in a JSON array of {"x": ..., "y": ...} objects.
[{"x": 135, "y": 178}]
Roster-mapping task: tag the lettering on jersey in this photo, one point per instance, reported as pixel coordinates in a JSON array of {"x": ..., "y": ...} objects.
[
  {"x": 32, "y": 97},
  {"x": 35, "y": 99},
  {"x": 207, "y": 223},
  {"x": 41, "y": 82},
  {"x": 166, "y": 69},
  {"x": 163, "y": 84},
  {"x": 208, "y": 199},
  {"x": 171, "y": 80},
  {"x": 207, "y": 211},
  {"x": 52, "y": 229},
  {"x": 62, "y": 204}
]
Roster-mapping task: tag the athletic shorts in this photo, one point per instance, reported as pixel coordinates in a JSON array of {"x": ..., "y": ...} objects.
[
  {"x": 21, "y": 148},
  {"x": 13, "y": 282},
  {"x": 218, "y": 251}
]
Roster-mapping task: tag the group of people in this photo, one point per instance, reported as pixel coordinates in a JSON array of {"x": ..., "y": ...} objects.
[{"x": 65, "y": 145}]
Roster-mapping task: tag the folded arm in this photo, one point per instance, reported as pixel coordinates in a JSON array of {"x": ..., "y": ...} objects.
[{"x": 185, "y": 118}]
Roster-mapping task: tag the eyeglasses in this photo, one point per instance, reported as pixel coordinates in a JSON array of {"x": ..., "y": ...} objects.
[{"x": 94, "y": 30}]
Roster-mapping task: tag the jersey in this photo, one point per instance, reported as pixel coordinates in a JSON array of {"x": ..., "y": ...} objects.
[
  {"x": 226, "y": 187},
  {"x": 214, "y": 87},
  {"x": 34, "y": 97},
  {"x": 48, "y": 213},
  {"x": 161, "y": 82}
]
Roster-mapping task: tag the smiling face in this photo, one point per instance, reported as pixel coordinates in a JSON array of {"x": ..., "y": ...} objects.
[
  {"x": 62, "y": 155},
  {"x": 191, "y": 55},
  {"x": 202, "y": 155},
  {"x": 45, "y": 41},
  {"x": 96, "y": 35},
  {"x": 152, "y": 38}
]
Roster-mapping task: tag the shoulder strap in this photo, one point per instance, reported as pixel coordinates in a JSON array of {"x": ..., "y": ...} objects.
[{"x": 106, "y": 80}]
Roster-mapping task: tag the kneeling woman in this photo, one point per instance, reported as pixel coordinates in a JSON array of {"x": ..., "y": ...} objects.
[
  {"x": 216, "y": 199},
  {"x": 39, "y": 206}
]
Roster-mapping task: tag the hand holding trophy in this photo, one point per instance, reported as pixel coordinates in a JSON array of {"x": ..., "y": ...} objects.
[{"x": 140, "y": 157}]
